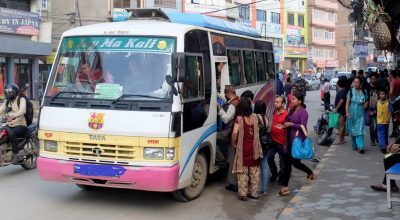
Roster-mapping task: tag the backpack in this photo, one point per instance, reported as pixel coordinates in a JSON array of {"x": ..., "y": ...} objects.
[
  {"x": 264, "y": 135},
  {"x": 29, "y": 110}
]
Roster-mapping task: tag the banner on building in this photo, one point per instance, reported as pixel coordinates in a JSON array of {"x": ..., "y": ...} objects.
[
  {"x": 19, "y": 22},
  {"x": 293, "y": 35},
  {"x": 332, "y": 63},
  {"x": 360, "y": 50}
]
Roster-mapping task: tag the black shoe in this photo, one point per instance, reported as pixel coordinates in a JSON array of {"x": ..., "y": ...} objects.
[
  {"x": 383, "y": 150},
  {"x": 16, "y": 159},
  {"x": 232, "y": 188},
  {"x": 361, "y": 151}
]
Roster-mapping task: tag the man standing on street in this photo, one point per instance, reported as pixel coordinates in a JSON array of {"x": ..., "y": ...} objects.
[
  {"x": 327, "y": 95},
  {"x": 373, "y": 98},
  {"x": 227, "y": 114}
]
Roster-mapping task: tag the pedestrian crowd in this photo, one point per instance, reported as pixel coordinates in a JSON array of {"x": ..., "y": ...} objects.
[{"x": 250, "y": 140}]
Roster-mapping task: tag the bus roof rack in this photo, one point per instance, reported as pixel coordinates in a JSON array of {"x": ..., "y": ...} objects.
[
  {"x": 146, "y": 13},
  {"x": 201, "y": 20}
]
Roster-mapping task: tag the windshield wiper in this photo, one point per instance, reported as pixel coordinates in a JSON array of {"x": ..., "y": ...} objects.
[
  {"x": 135, "y": 95},
  {"x": 71, "y": 92}
]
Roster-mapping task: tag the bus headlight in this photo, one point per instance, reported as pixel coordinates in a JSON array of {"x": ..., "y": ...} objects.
[
  {"x": 169, "y": 153},
  {"x": 153, "y": 153},
  {"x": 51, "y": 146}
]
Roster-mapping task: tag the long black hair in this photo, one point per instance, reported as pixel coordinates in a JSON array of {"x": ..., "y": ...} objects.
[
  {"x": 260, "y": 107},
  {"x": 244, "y": 108},
  {"x": 300, "y": 97}
]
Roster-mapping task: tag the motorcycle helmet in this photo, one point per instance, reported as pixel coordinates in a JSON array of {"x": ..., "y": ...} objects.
[{"x": 11, "y": 91}]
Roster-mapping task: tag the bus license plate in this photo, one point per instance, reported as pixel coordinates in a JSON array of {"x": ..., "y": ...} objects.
[{"x": 99, "y": 170}]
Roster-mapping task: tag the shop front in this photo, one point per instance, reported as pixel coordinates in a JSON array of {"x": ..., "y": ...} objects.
[{"x": 20, "y": 52}]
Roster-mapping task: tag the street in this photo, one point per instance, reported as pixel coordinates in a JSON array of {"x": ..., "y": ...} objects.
[{"x": 25, "y": 196}]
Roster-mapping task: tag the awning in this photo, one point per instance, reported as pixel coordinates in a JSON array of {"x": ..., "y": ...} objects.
[{"x": 10, "y": 45}]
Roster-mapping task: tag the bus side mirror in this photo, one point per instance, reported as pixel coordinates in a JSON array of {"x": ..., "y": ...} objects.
[{"x": 178, "y": 64}]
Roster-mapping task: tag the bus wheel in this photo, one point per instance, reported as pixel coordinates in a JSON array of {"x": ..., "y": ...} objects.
[{"x": 199, "y": 177}]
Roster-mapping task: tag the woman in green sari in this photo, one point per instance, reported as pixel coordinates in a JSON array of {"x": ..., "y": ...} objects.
[{"x": 355, "y": 105}]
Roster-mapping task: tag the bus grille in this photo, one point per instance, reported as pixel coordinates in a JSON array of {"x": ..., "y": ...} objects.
[{"x": 100, "y": 151}]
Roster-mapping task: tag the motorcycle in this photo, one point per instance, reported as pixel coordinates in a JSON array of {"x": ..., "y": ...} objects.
[
  {"x": 322, "y": 129},
  {"x": 28, "y": 145}
]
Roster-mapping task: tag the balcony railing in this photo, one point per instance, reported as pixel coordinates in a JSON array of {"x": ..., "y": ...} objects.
[{"x": 329, "y": 5}]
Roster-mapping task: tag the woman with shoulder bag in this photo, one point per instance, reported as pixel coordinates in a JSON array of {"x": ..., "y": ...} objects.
[
  {"x": 260, "y": 109},
  {"x": 245, "y": 140},
  {"x": 297, "y": 118}
]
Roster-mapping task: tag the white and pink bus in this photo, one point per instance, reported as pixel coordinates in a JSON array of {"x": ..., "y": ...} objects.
[{"x": 133, "y": 104}]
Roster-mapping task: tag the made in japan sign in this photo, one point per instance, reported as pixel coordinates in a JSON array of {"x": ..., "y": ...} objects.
[{"x": 19, "y": 22}]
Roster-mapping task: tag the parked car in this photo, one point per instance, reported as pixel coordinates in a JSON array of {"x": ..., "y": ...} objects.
[
  {"x": 312, "y": 82},
  {"x": 335, "y": 79}
]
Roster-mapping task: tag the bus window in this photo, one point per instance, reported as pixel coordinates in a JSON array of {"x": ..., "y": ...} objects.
[
  {"x": 270, "y": 65},
  {"x": 250, "y": 76},
  {"x": 260, "y": 67},
  {"x": 193, "y": 86},
  {"x": 234, "y": 67}
]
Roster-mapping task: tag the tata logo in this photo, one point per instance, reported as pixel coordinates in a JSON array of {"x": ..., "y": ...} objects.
[
  {"x": 153, "y": 141},
  {"x": 96, "y": 120},
  {"x": 96, "y": 137},
  {"x": 97, "y": 151}
]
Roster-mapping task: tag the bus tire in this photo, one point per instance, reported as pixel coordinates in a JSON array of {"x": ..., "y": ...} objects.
[{"x": 199, "y": 178}]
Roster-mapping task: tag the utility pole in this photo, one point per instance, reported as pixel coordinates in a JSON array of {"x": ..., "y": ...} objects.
[{"x": 79, "y": 12}]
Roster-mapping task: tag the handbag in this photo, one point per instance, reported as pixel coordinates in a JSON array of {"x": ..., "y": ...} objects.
[
  {"x": 333, "y": 121},
  {"x": 302, "y": 149},
  {"x": 264, "y": 135},
  {"x": 367, "y": 117}
]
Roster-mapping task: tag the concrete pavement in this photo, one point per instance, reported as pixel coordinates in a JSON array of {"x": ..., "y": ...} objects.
[{"x": 342, "y": 189}]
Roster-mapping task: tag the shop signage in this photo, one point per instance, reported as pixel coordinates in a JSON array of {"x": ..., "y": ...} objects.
[
  {"x": 19, "y": 22},
  {"x": 272, "y": 28},
  {"x": 381, "y": 59},
  {"x": 297, "y": 51},
  {"x": 321, "y": 64},
  {"x": 332, "y": 63},
  {"x": 360, "y": 50},
  {"x": 293, "y": 35}
]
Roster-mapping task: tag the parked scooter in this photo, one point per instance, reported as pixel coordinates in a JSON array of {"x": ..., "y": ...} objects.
[
  {"x": 29, "y": 145},
  {"x": 322, "y": 129}
]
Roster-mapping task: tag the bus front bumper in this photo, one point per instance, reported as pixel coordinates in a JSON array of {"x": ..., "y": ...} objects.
[{"x": 159, "y": 179}]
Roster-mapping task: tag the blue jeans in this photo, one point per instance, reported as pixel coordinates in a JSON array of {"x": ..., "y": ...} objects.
[
  {"x": 383, "y": 135},
  {"x": 264, "y": 172}
]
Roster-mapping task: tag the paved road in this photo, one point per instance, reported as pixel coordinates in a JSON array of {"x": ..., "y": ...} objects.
[{"x": 25, "y": 196}]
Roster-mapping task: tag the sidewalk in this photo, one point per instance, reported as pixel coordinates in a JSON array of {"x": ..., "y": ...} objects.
[{"x": 342, "y": 189}]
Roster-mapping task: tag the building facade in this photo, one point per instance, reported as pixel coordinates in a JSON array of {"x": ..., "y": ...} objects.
[
  {"x": 323, "y": 18},
  {"x": 296, "y": 35},
  {"x": 269, "y": 23},
  {"x": 344, "y": 39},
  {"x": 25, "y": 35}
]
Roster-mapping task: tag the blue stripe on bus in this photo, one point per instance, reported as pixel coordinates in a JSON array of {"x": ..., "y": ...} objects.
[{"x": 211, "y": 130}]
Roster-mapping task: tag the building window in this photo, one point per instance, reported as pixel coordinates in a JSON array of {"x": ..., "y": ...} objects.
[
  {"x": 23, "y": 5},
  {"x": 261, "y": 15},
  {"x": 290, "y": 19},
  {"x": 275, "y": 18},
  {"x": 165, "y": 3},
  {"x": 244, "y": 11},
  {"x": 44, "y": 4},
  {"x": 121, "y": 3},
  {"x": 300, "y": 20}
]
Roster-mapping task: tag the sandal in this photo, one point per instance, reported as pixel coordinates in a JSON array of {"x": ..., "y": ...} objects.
[
  {"x": 285, "y": 193},
  {"x": 338, "y": 143},
  {"x": 311, "y": 176},
  {"x": 379, "y": 187},
  {"x": 243, "y": 198},
  {"x": 254, "y": 197}
]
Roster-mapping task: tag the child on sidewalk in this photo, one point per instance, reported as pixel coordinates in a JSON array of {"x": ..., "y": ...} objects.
[{"x": 384, "y": 110}]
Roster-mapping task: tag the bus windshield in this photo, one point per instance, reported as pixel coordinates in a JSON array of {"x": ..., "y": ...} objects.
[{"x": 112, "y": 68}]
